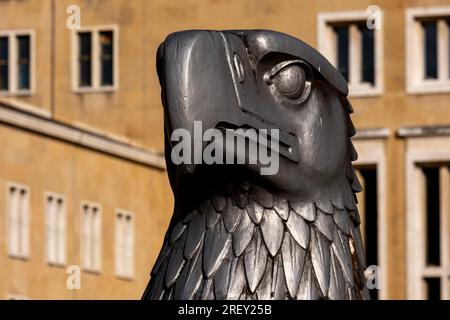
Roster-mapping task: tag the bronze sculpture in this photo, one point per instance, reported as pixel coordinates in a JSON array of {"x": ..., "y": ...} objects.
[{"x": 238, "y": 234}]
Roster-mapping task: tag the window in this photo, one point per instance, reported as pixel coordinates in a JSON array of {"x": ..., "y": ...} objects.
[
  {"x": 85, "y": 61},
  {"x": 124, "y": 244},
  {"x": 23, "y": 44},
  {"x": 354, "y": 49},
  {"x": 16, "y": 62},
  {"x": 4, "y": 69},
  {"x": 372, "y": 203},
  {"x": 436, "y": 271},
  {"x": 341, "y": 34},
  {"x": 428, "y": 217},
  {"x": 18, "y": 220},
  {"x": 368, "y": 208},
  {"x": 95, "y": 59},
  {"x": 91, "y": 236},
  {"x": 427, "y": 50},
  {"x": 106, "y": 57},
  {"x": 55, "y": 233}
]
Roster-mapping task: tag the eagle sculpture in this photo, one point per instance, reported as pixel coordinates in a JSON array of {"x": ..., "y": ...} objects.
[{"x": 238, "y": 234}]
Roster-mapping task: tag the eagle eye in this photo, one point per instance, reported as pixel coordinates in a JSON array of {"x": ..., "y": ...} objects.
[{"x": 290, "y": 81}]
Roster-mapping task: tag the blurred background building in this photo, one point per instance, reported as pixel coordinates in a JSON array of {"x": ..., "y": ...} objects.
[{"x": 82, "y": 174}]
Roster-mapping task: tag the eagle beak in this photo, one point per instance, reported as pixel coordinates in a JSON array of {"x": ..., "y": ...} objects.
[{"x": 196, "y": 84}]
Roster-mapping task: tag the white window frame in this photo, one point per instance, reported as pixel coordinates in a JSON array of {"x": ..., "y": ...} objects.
[
  {"x": 420, "y": 151},
  {"x": 124, "y": 262},
  {"x": 97, "y": 232},
  {"x": 12, "y": 63},
  {"x": 415, "y": 84},
  {"x": 95, "y": 59},
  {"x": 327, "y": 46},
  {"x": 62, "y": 249},
  {"x": 372, "y": 152},
  {"x": 24, "y": 251}
]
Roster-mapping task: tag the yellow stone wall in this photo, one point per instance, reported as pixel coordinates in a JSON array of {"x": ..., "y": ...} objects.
[
  {"x": 134, "y": 112},
  {"x": 48, "y": 165}
]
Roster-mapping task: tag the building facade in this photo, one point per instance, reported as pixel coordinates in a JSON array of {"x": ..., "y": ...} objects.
[{"x": 82, "y": 168}]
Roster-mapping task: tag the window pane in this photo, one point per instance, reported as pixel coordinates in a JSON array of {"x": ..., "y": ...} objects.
[
  {"x": 50, "y": 237},
  {"x": 368, "y": 55},
  {"x": 4, "y": 63},
  {"x": 430, "y": 49},
  {"x": 106, "y": 44},
  {"x": 433, "y": 288},
  {"x": 85, "y": 54},
  {"x": 371, "y": 218},
  {"x": 342, "y": 49},
  {"x": 432, "y": 215},
  {"x": 23, "y": 46},
  {"x": 448, "y": 33}
]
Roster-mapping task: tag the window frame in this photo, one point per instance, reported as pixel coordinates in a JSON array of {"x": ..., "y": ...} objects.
[
  {"x": 96, "y": 86},
  {"x": 125, "y": 274},
  {"x": 64, "y": 220},
  {"x": 13, "y": 67},
  {"x": 420, "y": 151},
  {"x": 415, "y": 81},
  {"x": 96, "y": 269},
  {"x": 25, "y": 255},
  {"x": 326, "y": 45},
  {"x": 371, "y": 152}
]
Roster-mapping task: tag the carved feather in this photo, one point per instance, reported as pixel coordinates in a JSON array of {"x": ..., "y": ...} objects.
[
  {"x": 261, "y": 196},
  {"x": 237, "y": 279},
  {"x": 243, "y": 234},
  {"x": 190, "y": 278},
  {"x": 264, "y": 290},
  {"x": 207, "y": 290},
  {"x": 325, "y": 205},
  {"x": 255, "y": 211},
  {"x": 336, "y": 290},
  {"x": 279, "y": 289},
  {"x": 195, "y": 234},
  {"x": 231, "y": 215},
  {"x": 272, "y": 230},
  {"x": 255, "y": 261},
  {"x": 293, "y": 260},
  {"x": 175, "y": 263},
  {"x": 325, "y": 224},
  {"x": 176, "y": 233},
  {"x": 341, "y": 249},
  {"x": 222, "y": 279},
  {"x": 155, "y": 289},
  {"x": 306, "y": 209},
  {"x": 218, "y": 202},
  {"x": 240, "y": 197},
  {"x": 342, "y": 219},
  {"x": 320, "y": 258},
  {"x": 281, "y": 206},
  {"x": 212, "y": 216},
  {"x": 216, "y": 245},
  {"x": 299, "y": 229},
  {"x": 308, "y": 289},
  {"x": 338, "y": 201}
]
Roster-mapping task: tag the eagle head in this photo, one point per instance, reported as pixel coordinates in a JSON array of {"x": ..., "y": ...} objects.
[{"x": 256, "y": 79}]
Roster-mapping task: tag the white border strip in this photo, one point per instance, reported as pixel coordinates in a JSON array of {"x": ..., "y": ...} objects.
[
  {"x": 371, "y": 133},
  {"x": 424, "y": 131}
]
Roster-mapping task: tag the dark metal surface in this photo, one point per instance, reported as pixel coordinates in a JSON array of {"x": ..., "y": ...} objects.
[{"x": 236, "y": 234}]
